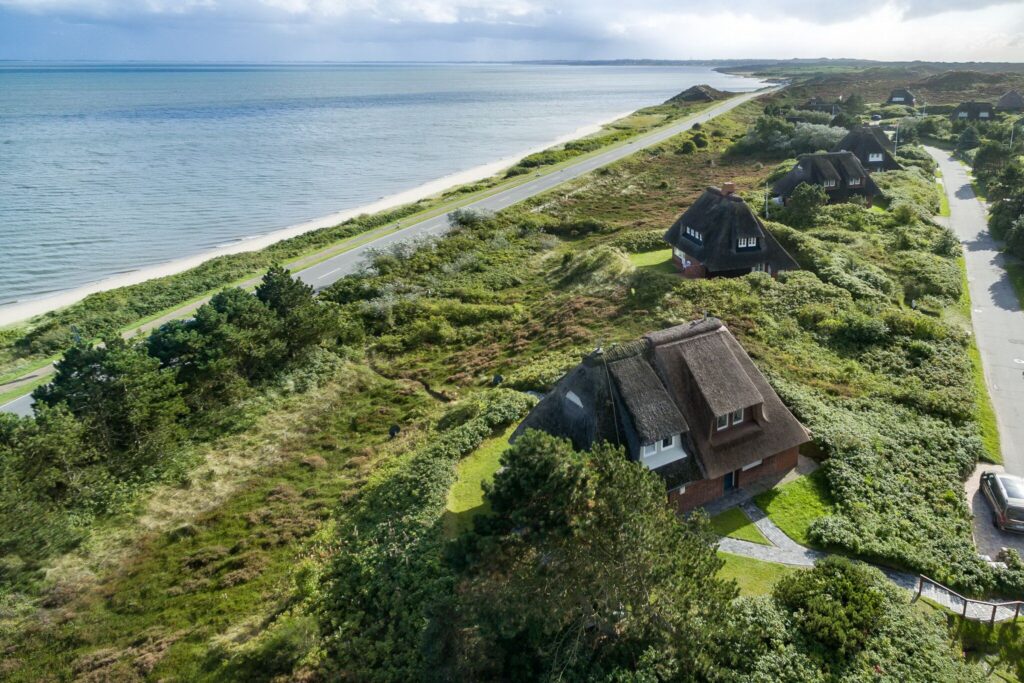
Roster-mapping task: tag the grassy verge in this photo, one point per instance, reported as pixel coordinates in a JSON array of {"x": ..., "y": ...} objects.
[
  {"x": 734, "y": 524},
  {"x": 794, "y": 506},
  {"x": 659, "y": 261},
  {"x": 983, "y": 410},
  {"x": 1015, "y": 271},
  {"x": 943, "y": 195},
  {"x": 753, "y": 576},
  {"x": 466, "y": 497}
]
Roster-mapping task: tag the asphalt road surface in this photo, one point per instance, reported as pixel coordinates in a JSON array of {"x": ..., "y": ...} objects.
[
  {"x": 995, "y": 311},
  {"x": 328, "y": 272}
]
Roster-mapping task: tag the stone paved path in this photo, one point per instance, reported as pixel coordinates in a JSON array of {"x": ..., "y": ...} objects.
[{"x": 785, "y": 550}]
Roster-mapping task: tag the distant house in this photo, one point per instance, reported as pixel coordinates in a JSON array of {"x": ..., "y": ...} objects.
[
  {"x": 866, "y": 144},
  {"x": 973, "y": 111},
  {"x": 818, "y": 104},
  {"x": 1012, "y": 101},
  {"x": 902, "y": 96},
  {"x": 719, "y": 235},
  {"x": 839, "y": 173},
  {"x": 686, "y": 402}
]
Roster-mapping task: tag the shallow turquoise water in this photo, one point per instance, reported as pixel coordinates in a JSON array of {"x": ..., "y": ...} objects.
[{"x": 108, "y": 168}]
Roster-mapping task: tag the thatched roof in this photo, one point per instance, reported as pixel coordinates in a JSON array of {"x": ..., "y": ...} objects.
[
  {"x": 864, "y": 142},
  {"x": 721, "y": 219},
  {"x": 1011, "y": 101},
  {"x": 671, "y": 382},
  {"x": 815, "y": 169},
  {"x": 973, "y": 110},
  {"x": 908, "y": 97}
]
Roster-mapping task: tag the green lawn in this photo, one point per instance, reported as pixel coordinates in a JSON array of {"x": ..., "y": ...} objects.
[
  {"x": 734, "y": 524},
  {"x": 753, "y": 576},
  {"x": 466, "y": 497},
  {"x": 795, "y": 505},
  {"x": 660, "y": 260}
]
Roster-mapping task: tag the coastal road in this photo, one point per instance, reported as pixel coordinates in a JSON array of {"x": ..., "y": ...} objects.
[
  {"x": 327, "y": 272},
  {"x": 333, "y": 269},
  {"x": 995, "y": 311}
]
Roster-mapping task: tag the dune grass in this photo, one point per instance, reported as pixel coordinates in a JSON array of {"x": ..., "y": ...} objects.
[
  {"x": 795, "y": 505},
  {"x": 734, "y": 524},
  {"x": 753, "y": 576}
]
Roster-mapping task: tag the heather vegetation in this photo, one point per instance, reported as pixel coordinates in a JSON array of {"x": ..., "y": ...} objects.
[{"x": 333, "y": 557}]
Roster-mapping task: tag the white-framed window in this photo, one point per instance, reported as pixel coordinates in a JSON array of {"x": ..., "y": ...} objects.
[
  {"x": 758, "y": 268},
  {"x": 668, "y": 442},
  {"x": 650, "y": 449},
  {"x": 752, "y": 242},
  {"x": 737, "y": 416},
  {"x": 983, "y": 115},
  {"x": 897, "y": 99},
  {"x": 721, "y": 422},
  {"x": 854, "y": 182},
  {"x": 829, "y": 182},
  {"x": 743, "y": 243},
  {"x": 962, "y": 115},
  {"x": 875, "y": 156},
  {"x": 752, "y": 465}
]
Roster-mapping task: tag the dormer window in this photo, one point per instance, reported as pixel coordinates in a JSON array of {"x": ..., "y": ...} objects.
[
  {"x": 854, "y": 182},
  {"x": 829, "y": 182},
  {"x": 721, "y": 422},
  {"x": 983, "y": 115},
  {"x": 743, "y": 243},
  {"x": 650, "y": 449},
  {"x": 693, "y": 234},
  {"x": 737, "y": 416},
  {"x": 668, "y": 442},
  {"x": 875, "y": 156},
  {"x": 962, "y": 115}
]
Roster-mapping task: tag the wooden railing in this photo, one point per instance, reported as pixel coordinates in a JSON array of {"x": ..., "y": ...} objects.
[{"x": 1014, "y": 605}]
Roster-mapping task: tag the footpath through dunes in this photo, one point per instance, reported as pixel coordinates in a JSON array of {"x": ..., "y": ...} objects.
[
  {"x": 327, "y": 266},
  {"x": 995, "y": 310}
]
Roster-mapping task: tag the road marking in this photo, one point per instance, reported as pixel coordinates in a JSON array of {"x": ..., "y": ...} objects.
[
  {"x": 1018, "y": 360},
  {"x": 329, "y": 273}
]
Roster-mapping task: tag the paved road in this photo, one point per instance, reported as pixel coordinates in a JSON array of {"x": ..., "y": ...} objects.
[
  {"x": 333, "y": 269},
  {"x": 327, "y": 272},
  {"x": 995, "y": 311}
]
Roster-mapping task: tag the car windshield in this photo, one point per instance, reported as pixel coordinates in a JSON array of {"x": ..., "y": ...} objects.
[{"x": 1014, "y": 487}]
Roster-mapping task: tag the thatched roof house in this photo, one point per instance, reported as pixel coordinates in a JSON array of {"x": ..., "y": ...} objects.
[
  {"x": 687, "y": 402},
  {"x": 866, "y": 144},
  {"x": 720, "y": 235},
  {"x": 839, "y": 173},
  {"x": 973, "y": 111},
  {"x": 902, "y": 96},
  {"x": 819, "y": 104},
  {"x": 1012, "y": 101}
]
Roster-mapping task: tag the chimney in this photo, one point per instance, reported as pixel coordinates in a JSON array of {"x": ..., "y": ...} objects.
[{"x": 728, "y": 188}]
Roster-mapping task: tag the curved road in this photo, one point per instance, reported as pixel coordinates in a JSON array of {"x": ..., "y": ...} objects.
[
  {"x": 329, "y": 271},
  {"x": 995, "y": 310}
]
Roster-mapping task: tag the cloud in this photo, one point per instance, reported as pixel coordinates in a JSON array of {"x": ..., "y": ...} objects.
[{"x": 511, "y": 29}]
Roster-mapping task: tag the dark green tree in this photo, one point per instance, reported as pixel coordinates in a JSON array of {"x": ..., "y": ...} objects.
[
  {"x": 282, "y": 292},
  {"x": 804, "y": 205},
  {"x": 968, "y": 139},
  {"x": 306, "y": 322},
  {"x": 129, "y": 404},
  {"x": 583, "y": 571}
]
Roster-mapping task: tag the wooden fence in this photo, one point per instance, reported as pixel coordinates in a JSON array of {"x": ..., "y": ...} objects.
[{"x": 984, "y": 610}]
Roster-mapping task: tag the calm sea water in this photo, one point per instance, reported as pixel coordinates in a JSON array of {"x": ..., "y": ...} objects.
[{"x": 109, "y": 168}]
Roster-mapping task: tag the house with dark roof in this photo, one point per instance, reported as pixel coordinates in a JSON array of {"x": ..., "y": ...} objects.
[
  {"x": 819, "y": 104},
  {"x": 1012, "y": 101},
  {"x": 902, "y": 96},
  {"x": 719, "y": 235},
  {"x": 973, "y": 111},
  {"x": 686, "y": 402},
  {"x": 866, "y": 144},
  {"x": 840, "y": 174}
]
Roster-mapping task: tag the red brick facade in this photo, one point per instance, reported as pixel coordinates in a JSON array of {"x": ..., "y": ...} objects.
[
  {"x": 694, "y": 271},
  {"x": 702, "y": 492}
]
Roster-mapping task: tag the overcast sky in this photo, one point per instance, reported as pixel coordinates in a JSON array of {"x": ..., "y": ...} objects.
[{"x": 258, "y": 30}]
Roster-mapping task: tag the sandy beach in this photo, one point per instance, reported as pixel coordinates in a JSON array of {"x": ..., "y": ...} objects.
[{"x": 24, "y": 310}]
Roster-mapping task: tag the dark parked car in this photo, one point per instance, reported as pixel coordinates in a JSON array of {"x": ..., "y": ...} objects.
[
  {"x": 1005, "y": 493},
  {"x": 876, "y": 117}
]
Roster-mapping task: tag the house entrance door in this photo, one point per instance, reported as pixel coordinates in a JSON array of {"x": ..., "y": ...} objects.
[{"x": 730, "y": 482}]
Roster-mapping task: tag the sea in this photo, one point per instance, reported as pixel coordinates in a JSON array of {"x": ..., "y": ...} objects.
[{"x": 112, "y": 168}]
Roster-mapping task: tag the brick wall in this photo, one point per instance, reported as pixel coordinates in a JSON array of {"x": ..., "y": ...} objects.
[{"x": 702, "y": 492}]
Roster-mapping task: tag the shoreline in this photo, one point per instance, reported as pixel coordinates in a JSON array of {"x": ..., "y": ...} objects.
[{"x": 21, "y": 311}]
